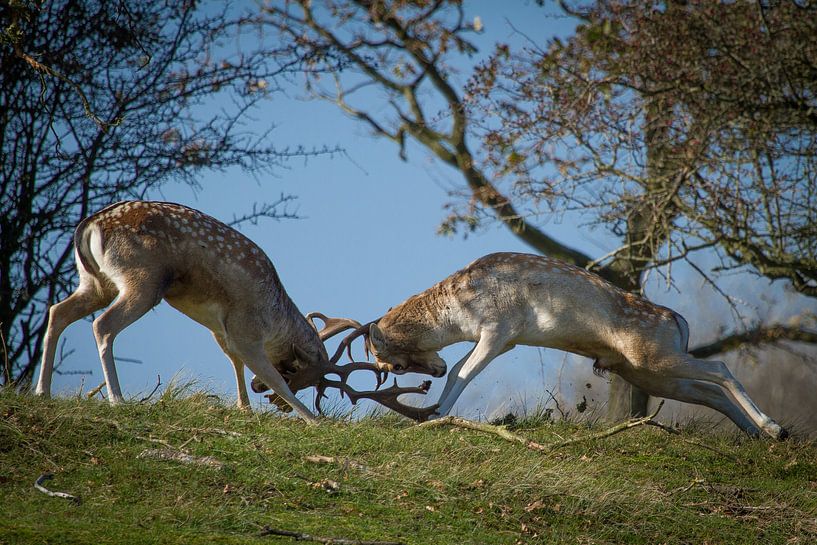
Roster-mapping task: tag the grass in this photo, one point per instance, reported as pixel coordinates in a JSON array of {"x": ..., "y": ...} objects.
[{"x": 418, "y": 486}]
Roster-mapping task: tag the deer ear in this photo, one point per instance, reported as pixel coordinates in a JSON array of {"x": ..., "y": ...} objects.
[
  {"x": 376, "y": 337},
  {"x": 299, "y": 354}
]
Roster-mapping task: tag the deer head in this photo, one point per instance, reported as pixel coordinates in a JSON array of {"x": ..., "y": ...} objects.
[
  {"x": 399, "y": 359},
  {"x": 305, "y": 372}
]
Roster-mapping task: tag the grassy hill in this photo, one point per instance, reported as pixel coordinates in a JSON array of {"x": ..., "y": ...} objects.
[{"x": 382, "y": 479}]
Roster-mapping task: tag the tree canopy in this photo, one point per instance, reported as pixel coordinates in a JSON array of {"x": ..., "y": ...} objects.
[
  {"x": 677, "y": 127},
  {"x": 101, "y": 101}
]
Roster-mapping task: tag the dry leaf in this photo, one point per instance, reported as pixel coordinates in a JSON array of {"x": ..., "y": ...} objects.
[{"x": 534, "y": 505}]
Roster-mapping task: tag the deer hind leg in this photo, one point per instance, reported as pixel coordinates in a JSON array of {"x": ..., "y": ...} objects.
[
  {"x": 86, "y": 300},
  {"x": 716, "y": 372},
  {"x": 254, "y": 358},
  {"x": 243, "y": 401},
  {"x": 709, "y": 395},
  {"x": 131, "y": 305},
  {"x": 489, "y": 346}
]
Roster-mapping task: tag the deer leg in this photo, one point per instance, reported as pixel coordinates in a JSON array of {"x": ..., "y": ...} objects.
[
  {"x": 489, "y": 346},
  {"x": 716, "y": 372},
  {"x": 128, "y": 307},
  {"x": 79, "y": 304},
  {"x": 451, "y": 379},
  {"x": 709, "y": 395},
  {"x": 258, "y": 363},
  {"x": 243, "y": 401}
]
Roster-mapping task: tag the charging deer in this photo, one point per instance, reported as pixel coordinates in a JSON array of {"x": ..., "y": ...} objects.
[
  {"x": 140, "y": 252},
  {"x": 506, "y": 299}
]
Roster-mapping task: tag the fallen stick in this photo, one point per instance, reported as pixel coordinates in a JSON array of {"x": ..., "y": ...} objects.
[
  {"x": 503, "y": 432},
  {"x": 95, "y": 391},
  {"x": 500, "y": 431},
  {"x": 299, "y": 536},
  {"x": 345, "y": 463},
  {"x": 178, "y": 456},
  {"x": 38, "y": 484}
]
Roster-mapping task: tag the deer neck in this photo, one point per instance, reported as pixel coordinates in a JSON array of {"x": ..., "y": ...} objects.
[
  {"x": 427, "y": 321},
  {"x": 290, "y": 327}
]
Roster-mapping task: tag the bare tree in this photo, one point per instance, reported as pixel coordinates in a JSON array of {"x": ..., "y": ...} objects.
[
  {"x": 101, "y": 101},
  {"x": 588, "y": 127}
]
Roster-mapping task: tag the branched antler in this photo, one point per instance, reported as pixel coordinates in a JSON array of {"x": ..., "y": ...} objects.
[
  {"x": 316, "y": 376},
  {"x": 346, "y": 343},
  {"x": 387, "y": 397},
  {"x": 331, "y": 326}
]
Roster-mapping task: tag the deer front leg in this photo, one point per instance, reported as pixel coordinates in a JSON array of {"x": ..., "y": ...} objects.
[
  {"x": 258, "y": 363},
  {"x": 243, "y": 401},
  {"x": 489, "y": 346}
]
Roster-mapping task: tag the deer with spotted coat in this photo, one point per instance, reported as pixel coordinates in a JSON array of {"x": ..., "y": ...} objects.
[
  {"x": 133, "y": 254},
  {"x": 508, "y": 299}
]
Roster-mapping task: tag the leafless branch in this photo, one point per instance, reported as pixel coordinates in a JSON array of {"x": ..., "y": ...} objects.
[
  {"x": 301, "y": 536},
  {"x": 756, "y": 336},
  {"x": 38, "y": 484},
  {"x": 158, "y": 383}
]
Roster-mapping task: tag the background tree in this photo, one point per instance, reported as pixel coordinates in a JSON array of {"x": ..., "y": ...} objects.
[
  {"x": 101, "y": 101},
  {"x": 666, "y": 148}
]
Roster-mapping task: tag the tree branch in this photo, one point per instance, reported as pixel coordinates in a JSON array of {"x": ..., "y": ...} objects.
[{"x": 755, "y": 337}]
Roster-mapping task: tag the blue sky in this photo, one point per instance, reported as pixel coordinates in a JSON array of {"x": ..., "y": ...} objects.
[{"x": 366, "y": 241}]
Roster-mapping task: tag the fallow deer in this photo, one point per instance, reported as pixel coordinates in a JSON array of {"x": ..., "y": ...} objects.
[
  {"x": 507, "y": 299},
  {"x": 140, "y": 252}
]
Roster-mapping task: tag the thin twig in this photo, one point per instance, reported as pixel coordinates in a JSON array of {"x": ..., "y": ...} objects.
[
  {"x": 673, "y": 431},
  {"x": 556, "y": 401},
  {"x": 38, "y": 484},
  {"x": 501, "y": 431},
  {"x": 6, "y": 366},
  {"x": 299, "y": 536},
  {"x": 158, "y": 383},
  {"x": 611, "y": 431}
]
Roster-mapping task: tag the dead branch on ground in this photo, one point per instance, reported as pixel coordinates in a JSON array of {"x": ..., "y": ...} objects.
[
  {"x": 96, "y": 390},
  {"x": 500, "y": 431},
  {"x": 171, "y": 454},
  {"x": 345, "y": 463},
  {"x": 504, "y": 433},
  {"x": 38, "y": 484},
  {"x": 299, "y": 536}
]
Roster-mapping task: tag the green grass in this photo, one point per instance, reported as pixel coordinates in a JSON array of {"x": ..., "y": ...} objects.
[{"x": 422, "y": 486}]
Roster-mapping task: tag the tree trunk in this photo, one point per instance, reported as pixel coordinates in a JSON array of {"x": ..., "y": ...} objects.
[{"x": 625, "y": 400}]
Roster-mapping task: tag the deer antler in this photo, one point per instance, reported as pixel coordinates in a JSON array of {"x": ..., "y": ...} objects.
[
  {"x": 387, "y": 397},
  {"x": 346, "y": 343},
  {"x": 331, "y": 326}
]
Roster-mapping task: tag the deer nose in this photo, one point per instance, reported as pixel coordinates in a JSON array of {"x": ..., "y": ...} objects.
[{"x": 438, "y": 373}]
